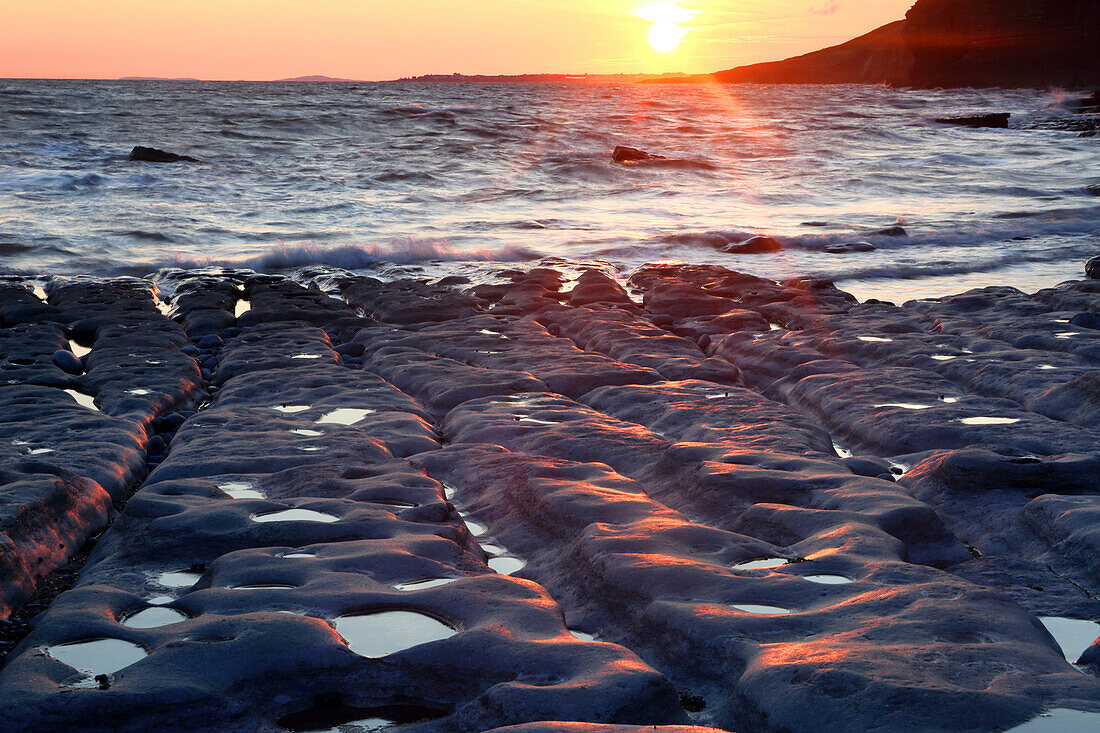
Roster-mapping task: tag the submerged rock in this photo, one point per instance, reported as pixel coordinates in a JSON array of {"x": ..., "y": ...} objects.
[
  {"x": 998, "y": 120},
  {"x": 847, "y": 247},
  {"x": 894, "y": 231},
  {"x": 153, "y": 155},
  {"x": 754, "y": 246}
]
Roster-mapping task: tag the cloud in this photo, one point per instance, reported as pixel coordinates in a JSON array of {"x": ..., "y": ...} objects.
[{"x": 826, "y": 8}]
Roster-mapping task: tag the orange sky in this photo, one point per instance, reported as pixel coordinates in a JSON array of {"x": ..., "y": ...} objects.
[{"x": 371, "y": 39}]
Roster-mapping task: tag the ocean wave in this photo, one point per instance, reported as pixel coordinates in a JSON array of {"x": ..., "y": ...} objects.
[
  {"x": 685, "y": 164},
  {"x": 6, "y": 247},
  {"x": 363, "y": 256},
  {"x": 1023, "y": 226},
  {"x": 144, "y": 235},
  {"x": 930, "y": 269},
  {"x": 490, "y": 168}
]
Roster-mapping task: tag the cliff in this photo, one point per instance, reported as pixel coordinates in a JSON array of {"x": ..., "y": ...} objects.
[{"x": 957, "y": 43}]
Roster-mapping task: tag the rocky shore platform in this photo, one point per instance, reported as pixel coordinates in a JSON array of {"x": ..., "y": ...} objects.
[{"x": 553, "y": 502}]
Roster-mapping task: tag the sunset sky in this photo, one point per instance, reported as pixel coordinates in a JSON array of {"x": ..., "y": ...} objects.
[{"x": 370, "y": 39}]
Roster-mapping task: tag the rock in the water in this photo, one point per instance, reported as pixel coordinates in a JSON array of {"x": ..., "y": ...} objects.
[
  {"x": 754, "y": 246},
  {"x": 1089, "y": 104},
  {"x": 894, "y": 231},
  {"x": 1093, "y": 190},
  {"x": 624, "y": 154},
  {"x": 153, "y": 155},
  {"x": 997, "y": 120},
  {"x": 845, "y": 248},
  {"x": 1092, "y": 268},
  {"x": 67, "y": 361}
]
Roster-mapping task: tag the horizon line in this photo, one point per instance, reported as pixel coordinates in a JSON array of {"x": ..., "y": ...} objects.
[{"x": 323, "y": 78}]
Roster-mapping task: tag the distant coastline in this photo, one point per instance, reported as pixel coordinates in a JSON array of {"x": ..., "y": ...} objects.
[
  {"x": 450, "y": 79},
  {"x": 939, "y": 43}
]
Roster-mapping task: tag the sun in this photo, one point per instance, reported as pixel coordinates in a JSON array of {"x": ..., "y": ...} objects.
[
  {"x": 668, "y": 20},
  {"x": 666, "y": 37}
]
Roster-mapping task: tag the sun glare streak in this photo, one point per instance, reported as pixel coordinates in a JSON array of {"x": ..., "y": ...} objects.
[{"x": 668, "y": 19}]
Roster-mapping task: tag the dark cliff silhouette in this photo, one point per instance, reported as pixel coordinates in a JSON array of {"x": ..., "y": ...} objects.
[{"x": 957, "y": 43}]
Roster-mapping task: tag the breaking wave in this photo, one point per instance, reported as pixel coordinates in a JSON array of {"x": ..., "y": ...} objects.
[{"x": 363, "y": 256}]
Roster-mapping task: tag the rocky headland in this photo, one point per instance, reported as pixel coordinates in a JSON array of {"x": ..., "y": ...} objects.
[
  {"x": 552, "y": 502},
  {"x": 957, "y": 43}
]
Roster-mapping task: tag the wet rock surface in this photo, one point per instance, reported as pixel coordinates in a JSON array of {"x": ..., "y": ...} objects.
[{"x": 696, "y": 498}]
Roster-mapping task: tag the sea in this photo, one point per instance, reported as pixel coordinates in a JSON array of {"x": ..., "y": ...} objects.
[{"x": 417, "y": 179}]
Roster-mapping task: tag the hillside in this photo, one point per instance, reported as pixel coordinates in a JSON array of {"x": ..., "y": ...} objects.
[
  {"x": 879, "y": 57},
  {"x": 957, "y": 43}
]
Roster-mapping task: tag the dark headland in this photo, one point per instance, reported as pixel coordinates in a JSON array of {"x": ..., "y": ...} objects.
[{"x": 956, "y": 43}]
